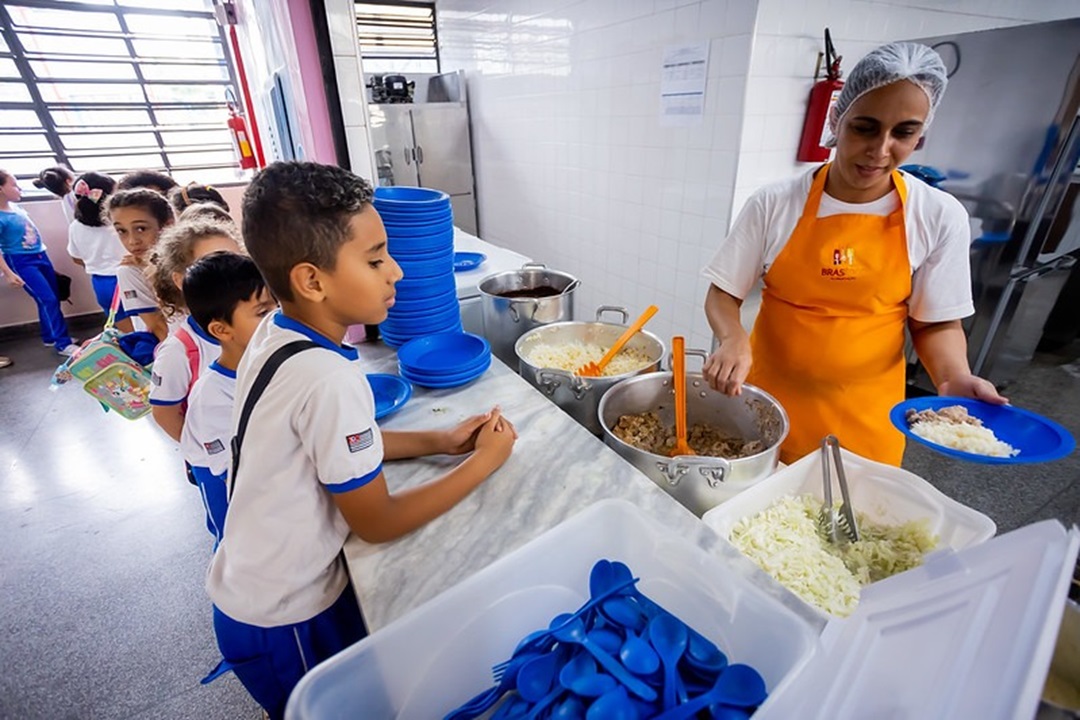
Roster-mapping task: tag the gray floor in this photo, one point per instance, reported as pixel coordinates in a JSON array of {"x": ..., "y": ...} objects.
[{"x": 103, "y": 609}]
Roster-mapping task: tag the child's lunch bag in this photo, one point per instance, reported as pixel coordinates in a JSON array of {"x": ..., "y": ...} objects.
[{"x": 108, "y": 373}]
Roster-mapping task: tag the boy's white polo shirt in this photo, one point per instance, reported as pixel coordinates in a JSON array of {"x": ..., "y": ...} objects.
[
  {"x": 312, "y": 434},
  {"x": 170, "y": 378},
  {"x": 207, "y": 432}
]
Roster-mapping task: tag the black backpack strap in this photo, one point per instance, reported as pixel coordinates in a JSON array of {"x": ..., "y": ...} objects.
[{"x": 262, "y": 380}]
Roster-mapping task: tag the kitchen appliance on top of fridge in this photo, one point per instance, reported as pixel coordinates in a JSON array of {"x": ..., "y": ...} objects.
[
  {"x": 427, "y": 144},
  {"x": 1006, "y": 137}
]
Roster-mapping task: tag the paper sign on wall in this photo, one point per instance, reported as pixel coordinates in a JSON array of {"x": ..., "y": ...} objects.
[{"x": 682, "y": 84}]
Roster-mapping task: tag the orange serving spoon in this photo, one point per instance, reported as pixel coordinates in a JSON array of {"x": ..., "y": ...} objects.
[
  {"x": 678, "y": 369},
  {"x": 593, "y": 369}
]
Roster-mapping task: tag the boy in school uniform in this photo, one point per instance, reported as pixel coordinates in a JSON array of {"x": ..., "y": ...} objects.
[
  {"x": 308, "y": 456},
  {"x": 226, "y": 298}
]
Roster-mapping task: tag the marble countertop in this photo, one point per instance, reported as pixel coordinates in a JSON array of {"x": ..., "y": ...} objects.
[{"x": 557, "y": 469}]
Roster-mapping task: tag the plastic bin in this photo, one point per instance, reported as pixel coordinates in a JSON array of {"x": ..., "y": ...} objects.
[
  {"x": 438, "y": 656},
  {"x": 886, "y": 494}
]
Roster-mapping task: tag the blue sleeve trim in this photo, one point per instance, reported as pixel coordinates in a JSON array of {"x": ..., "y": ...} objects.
[
  {"x": 355, "y": 483},
  {"x": 140, "y": 311},
  {"x": 166, "y": 403}
]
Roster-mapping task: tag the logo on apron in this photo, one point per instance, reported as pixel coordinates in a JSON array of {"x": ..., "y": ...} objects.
[{"x": 840, "y": 265}]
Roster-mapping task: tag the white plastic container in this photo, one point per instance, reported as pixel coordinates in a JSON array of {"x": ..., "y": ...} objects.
[
  {"x": 440, "y": 655},
  {"x": 887, "y": 495},
  {"x": 967, "y": 635}
]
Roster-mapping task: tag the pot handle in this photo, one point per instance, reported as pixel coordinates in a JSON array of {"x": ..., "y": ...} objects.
[
  {"x": 714, "y": 470},
  {"x": 690, "y": 351},
  {"x": 551, "y": 379},
  {"x": 570, "y": 288},
  {"x": 615, "y": 309},
  {"x": 526, "y": 266}
]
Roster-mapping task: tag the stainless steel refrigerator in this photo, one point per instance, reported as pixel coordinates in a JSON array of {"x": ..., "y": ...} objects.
[
  {"x": 1006, "y": 137},
  {"x": 427, "y": 145}
]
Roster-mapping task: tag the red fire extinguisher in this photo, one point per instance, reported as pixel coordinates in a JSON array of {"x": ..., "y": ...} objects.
[
  {"x": 241, "y": 139},
  {"x": 822, "y": 97}
]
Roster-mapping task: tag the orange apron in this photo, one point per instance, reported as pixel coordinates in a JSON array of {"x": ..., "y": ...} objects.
[{"x": 828, "y": 342}]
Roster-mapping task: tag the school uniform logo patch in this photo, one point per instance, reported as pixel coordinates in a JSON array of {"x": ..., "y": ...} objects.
[
  {"x": 155, "y": 378},
  {"x": 360, "y": 441},
  {"x": 214, "y": 447},
  {"x": 130, "y": 294}
]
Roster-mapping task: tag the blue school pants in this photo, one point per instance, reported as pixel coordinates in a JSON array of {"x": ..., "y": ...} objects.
[
  {"x": 104, "y": 287},
  {"x": 270, "y": 661},
  {"x": 40, "y": 278}
]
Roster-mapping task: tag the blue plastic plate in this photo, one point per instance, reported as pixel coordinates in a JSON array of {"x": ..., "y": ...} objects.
[
  {"x": 390, "y": 391},
  {"x": 443, "y": 353},
  {"x": 411, "y": 197},
  {"x": 464, "y": 261},
  {"x": 1038, "y": 439},
  {"x": 449, "y": 381}
]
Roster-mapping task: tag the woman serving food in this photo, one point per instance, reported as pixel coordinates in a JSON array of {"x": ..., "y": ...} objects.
[{"x": 851, "y": 254}]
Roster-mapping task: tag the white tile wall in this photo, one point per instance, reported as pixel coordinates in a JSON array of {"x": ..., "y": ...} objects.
[
  {"x": 344, "y": 43},
  {"x": 573, "y": 167},
  {"x": 789, "y": 36}
]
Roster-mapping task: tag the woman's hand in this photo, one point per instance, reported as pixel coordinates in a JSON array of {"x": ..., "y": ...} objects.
[
  {"x": 130, "y": 260},
  {"x": 972, "y": 386},
  {"x": 727, "y": 368},
  {"x": 14, "y": 280},
  {"x": 462, "y": 439}
]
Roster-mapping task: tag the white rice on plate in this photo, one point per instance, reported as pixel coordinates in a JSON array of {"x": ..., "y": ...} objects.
[
  {"x": 953, "y": 427},
  {"x": 569, "y": 356}
]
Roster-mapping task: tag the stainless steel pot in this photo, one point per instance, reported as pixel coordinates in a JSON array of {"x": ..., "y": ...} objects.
[
  {"x": 580, "y": 396},
  {"x": 700, "y": 483},
  {"x": 508, "y": 318}
]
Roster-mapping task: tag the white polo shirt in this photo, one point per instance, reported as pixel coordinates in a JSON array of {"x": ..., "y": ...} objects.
[
  {"x": 98, "y": 247},
  {"x": 170, "y": 377},
  {"x": 205, "y": 441},
  {"x": 312, "y": 434},
  {"x": 938, "y": 241},
  {"x": 135, "y": 293}
]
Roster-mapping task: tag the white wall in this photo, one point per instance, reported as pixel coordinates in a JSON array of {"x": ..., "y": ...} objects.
[
  {"x": 789, "y": 36},
  {"x": 572, "y": 165},
  {"x": 17, "y": 308}
]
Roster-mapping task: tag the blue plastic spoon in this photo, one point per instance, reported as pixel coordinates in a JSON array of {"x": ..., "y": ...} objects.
[
  {"x": 739, "y": 685},
  {"x": 536, "y": 675},
  {"x": 638, "y": 656},
  {"x": 579, "y": 676},
  {"x": 570, "y": 708},
  {"x": 623, "y": 611},
  {"x": 606, "y": 639},
  {"x": 668, "y": 637},
  {"x": 614, "y": 705},
  {"x": 573, "y": 631}
]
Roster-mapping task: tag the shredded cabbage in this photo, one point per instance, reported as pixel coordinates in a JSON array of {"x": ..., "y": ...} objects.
[{"x": 785, "y": 541}]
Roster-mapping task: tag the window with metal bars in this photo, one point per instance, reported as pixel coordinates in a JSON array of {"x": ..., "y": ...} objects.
[
  {"x": 115, "y": 86},
  {"x": 397, "y": 37}
]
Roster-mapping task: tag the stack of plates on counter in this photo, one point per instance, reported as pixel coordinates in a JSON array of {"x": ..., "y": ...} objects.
[
  {"x": 445, "y": 360},
  {"x": 420, "y": 235}
]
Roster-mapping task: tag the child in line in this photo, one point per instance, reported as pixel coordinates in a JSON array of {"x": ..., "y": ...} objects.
[
  {"x": 189, "y": 349},
  {"x": 206, "y": 211},
  {"x": 58, "y": 180},
  {"x": 29, "y": 266},
  {"x": 310, "y": 467},
  {"x": 93, "y": 244},
  {"x": 138, "y": 216},
  {"x": 149, "y": 179},
  {"x": 184, "y": 196},
  {"x": 227, "y": 297}
]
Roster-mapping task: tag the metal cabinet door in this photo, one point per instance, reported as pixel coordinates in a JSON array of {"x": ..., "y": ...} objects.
[
  {"x": 442, "y": 147},
  {"x": 392, "y": 145}
]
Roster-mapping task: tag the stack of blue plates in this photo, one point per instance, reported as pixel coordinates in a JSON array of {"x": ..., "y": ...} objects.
[
  {"x": 444, "y": 360},
  {"x": 420, "y": 235}
]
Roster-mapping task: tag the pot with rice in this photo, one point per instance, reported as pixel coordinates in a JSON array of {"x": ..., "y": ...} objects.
[{"x": 548, "y": 357}]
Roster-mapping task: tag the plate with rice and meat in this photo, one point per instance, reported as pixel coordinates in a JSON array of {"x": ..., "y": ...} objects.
[{"x": 976, "y": 431}]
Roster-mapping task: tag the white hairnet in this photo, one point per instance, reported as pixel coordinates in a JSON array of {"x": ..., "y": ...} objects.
[{"x": 884, "y": 66}]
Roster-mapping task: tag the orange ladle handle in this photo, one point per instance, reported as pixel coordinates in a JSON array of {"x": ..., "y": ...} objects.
[
  {"x": 625, "y": 337},
  {"x": 678, "y": 368}
]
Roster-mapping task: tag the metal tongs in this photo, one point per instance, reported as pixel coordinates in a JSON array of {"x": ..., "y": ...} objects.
[{"x": 830, "y": 520}]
